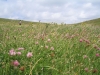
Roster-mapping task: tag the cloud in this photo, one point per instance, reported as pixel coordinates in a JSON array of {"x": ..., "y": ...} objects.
[{"x": 50, "y": 10}]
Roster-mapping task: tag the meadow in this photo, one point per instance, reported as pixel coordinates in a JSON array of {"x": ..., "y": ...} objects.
[{"x": 48, "y": 49}]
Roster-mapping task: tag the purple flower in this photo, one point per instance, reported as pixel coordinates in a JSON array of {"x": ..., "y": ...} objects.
[
  {"x": 12, "y": 52},
  {"x": 81, "y": 40},
  {"x": 97, "y": 55},
  {"x": 37, "y": 43},
  {"x": 86, "y": 69},
  {"x": 46, "y": 47},
  {"x": 29, "y": 54},
  {"x": 20, "y": 48},
  {"x": 18, "y": 53},
  {"x": 16, "y": 63},
  {"x": 85, "y": 56},
  {"x": 52, "y": 48},
  {"x": 48, "y": 40}
]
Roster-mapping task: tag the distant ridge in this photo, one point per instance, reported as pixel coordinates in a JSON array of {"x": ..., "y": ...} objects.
[
  {"x": 16, "y": 21},
  {"x": 92, "y": 22}
]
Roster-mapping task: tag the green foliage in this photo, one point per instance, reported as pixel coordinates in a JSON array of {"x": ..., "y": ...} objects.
[
  {"x": 56, "y": 49},
  {"x": 94, "y": 22}
]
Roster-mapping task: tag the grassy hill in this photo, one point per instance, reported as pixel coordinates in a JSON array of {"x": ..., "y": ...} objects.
[
  {"x": 92, "y": 22},
  {"x": 9, "y": 21},
  {"x": 48, "y": 49},
  {"x": 16, "y": 22}
]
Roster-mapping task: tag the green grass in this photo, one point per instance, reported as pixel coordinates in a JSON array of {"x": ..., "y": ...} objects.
[
  {"x": 65, "y": 59},
  {"x": 94, "y": 22}
]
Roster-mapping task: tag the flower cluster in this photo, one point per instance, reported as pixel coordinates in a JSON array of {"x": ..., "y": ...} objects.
[{"x": 15, "y": 62}]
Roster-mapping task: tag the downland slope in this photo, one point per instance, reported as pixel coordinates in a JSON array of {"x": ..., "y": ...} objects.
[
  {"x": 57, "y": 49},
  {"x": 15, "y": 22},
  {"x": 9, "y": 21},
  {"x": 91, "y": 22}
]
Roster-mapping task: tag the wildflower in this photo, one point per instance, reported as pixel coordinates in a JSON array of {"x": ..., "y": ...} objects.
[
  {"x": 96, "y": 47},
  {"x": 16, "y": 63},
  {"x": 7, "y": 37},
  {"x": 87, "y": 41},
  {"x": 22, "y": 68},
  {"x": 67, "y": 35},
  {"x": 97, "y": 55},
  {"x": 52, "y": 48},
  {"x": 23, "y": 34},
  {"x": 48, "y": 40},
  {"x": 20, "y": 48},
  {"x": 12, "y": 52},
  {"x": 18, "y": 53},
  {"x": 95, "y": 71},
  {"x": 29, "y": 54},
  {"x": 81, "y": 40},
  {"x": 72, "y": 36},
  {"x": 46, "y": 47},
  {"x": 86, "y": 69},
  {"x": 85, "y": 56},
  {"x": 36, "y": 43}
]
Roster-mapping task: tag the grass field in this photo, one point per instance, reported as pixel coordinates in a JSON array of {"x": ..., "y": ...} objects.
[{"x": 48, "y": 49}]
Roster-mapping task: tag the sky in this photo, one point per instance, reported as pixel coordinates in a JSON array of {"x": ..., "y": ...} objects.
[{"x": 59, "y": 11}]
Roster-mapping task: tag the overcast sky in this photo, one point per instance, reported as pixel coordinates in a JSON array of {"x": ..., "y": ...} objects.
[{"x": 67, "y": 11}]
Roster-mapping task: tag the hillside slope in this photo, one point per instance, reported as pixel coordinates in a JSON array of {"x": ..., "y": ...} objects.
[
  {"x": 92, "y": 22},
  {"x": 43, "y": 49},
  {"x": 15, "y": 22},
  {"x": 11, "y": 21}
]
